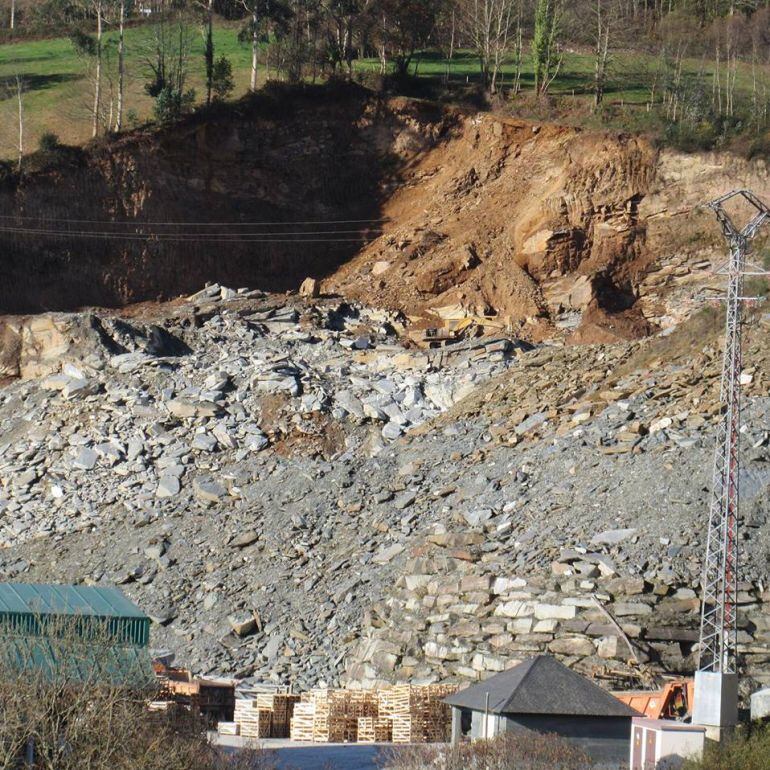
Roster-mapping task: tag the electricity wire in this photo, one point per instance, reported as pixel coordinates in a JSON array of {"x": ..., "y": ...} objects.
[
  {"x": 133, "y": 223},
  {"x": 185, "y": 237}
]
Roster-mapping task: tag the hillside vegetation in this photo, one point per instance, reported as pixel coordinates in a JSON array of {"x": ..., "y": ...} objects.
[{"x": 694, "y": 75}]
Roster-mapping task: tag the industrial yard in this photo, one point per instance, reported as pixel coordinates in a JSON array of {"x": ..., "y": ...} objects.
[{"x": 354, "y": 426}]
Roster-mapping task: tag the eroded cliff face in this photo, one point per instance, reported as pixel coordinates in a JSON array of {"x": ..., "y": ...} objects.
[
  {"x": 557, "y": 232},
  {"x": 312, "y": 157},
  {"x": 585, "y": 235},
  {"x": 521, "y": 220}
]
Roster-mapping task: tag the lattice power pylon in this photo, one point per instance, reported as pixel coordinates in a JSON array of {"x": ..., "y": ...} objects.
[{"x": 716, "y": 682}]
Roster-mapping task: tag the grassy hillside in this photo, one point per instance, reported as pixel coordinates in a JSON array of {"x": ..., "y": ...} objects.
[{"x": 59, "y": 88}]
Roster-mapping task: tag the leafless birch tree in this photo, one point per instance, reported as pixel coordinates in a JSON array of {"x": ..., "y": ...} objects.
[
  {"x": 605, "y": 12},
  {"x": 98, "y": 8},
  {"x": 20, "y": 107},
  {"x": 489, "y": 28},
  {"x": 121, "y": 63}
]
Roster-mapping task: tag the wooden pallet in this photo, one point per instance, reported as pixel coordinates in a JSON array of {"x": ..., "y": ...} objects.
[
  {"x": 362, "y": 703},
  {"x": 228, "y": 728},
  {"x": 408, "y": 729},
  {"x": 374, "y": 730},
  {"x": 253, "y": 721},
  {"x": 281, "y": 706},
  {"x": 301, "y": 725}
]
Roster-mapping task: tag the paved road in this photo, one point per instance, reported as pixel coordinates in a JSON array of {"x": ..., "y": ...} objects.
[
  {"x": 294, "y": 756},
  {"x": 328, "y": 758}
]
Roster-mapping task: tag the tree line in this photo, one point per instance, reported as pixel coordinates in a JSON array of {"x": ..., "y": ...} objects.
[{"x": 310, "y": 39}]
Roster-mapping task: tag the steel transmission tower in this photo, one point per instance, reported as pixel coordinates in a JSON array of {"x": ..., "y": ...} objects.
[{"x": 716, "y": 681}]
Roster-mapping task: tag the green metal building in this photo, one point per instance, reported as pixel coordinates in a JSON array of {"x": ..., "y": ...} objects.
[{"x": 85, "y": 633}]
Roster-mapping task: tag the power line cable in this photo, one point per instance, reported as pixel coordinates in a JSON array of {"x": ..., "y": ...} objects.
[
  {"x": 181, "y": 237},
  {"x": 14, "y": 217},
  {"x": 301, "y": 233}
]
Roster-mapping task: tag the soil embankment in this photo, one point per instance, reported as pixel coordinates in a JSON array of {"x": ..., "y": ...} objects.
[
  {"x": 263, "y": 193},
  {"x": 558, "y": 232}
]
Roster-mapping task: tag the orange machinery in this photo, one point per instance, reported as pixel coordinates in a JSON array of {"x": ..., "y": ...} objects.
[{"x": 674, "y": 701}]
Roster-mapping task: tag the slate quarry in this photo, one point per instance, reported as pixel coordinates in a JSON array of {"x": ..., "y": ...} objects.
[{"x": 295, "y": 495}]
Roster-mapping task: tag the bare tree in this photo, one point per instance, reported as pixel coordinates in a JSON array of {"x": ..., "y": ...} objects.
[
  {"x": 91, "y": 48},
  {"x": 452, "y": 43},
  {"x": 13, "y": 15},
  {"x": 489, "y": 28},
  {"x": 164, "y": 59},
  {"x": 20, "y": 103},
  {"x": 264, "y": 15},
  {"x": 207, "y": 7},
  {"x": 121, "y": 63},
  {"x": 605, "y": 13},
  {"x": 252, "y": 7},
  {"x": 98, "y": 8},
  {"x": 405, "y": 27},
  {"x": 518, "y": 51}
]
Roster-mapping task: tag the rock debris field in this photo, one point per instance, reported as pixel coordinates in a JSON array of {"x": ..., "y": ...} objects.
[{"x": 295, "y": 496}]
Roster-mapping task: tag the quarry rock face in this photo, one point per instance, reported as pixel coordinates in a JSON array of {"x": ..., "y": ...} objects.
[
  {"x": 297, "y": 487},
  {"x": 555, "y": 232},
  {"x": 292, "y": 506}
]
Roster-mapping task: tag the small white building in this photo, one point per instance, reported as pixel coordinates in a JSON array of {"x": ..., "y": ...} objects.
[
  {"x": 544, "y": 696},
  {"x": 663, "y": 744}
]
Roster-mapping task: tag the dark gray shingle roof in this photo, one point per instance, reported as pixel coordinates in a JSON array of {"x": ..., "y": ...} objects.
[{"x": 541, "y": 685}]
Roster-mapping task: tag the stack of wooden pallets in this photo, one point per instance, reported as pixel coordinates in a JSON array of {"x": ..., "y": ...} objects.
[
  {"x": 265, "y": 715},
  {"x": 331, "y": 722},
  {"x": 402, "y": 713},
  {"x": 374, "y": 730},
  {"x": 416, "y": 712},
  {"x": 301, "y": 726},
  {"x": 362, "y": 703},
  {"x": 254, "y": 722},
  {"x": 335, "y": 715},
  {"x": 281, "y": 706}
]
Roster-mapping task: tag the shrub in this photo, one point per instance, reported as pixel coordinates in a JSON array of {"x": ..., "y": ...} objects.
[
  {"x": 63, "y": 702},
  {"x": 691, "y": 138},
  {"x": 760, "y": 147},
  {"x": 749, "y": 749},
  {"x": 222, "y": 82},
  {"x": 6, "y": 171},
  {"x": 83, "y": 43},
  {"x": 510, "y": 751},
  {"x": 171, "y": 104},
  {"x": 49, "y": 142}
]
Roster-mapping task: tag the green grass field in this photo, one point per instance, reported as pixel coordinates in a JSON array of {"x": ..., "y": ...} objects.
[{"x": 59, "y": 88}]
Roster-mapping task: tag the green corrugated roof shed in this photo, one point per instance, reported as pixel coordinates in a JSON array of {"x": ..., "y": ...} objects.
[
  {"x": 24, "y": 605},
  {"x": 30, "y": 633},
  {"x": 48, "y": 598},
  {"x": 103, "y": 664}
]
